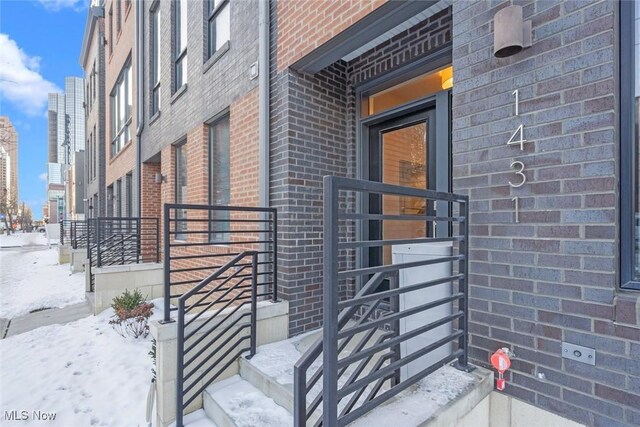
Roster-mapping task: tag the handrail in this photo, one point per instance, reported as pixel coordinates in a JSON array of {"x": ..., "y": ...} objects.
[
  {"x": 192, "y": 379},
  {"x": 377, "y": 366}
]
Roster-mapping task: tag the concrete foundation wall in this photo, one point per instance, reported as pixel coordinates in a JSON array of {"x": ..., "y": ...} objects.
[
  {"x": 272, "y": 326},
  {"x": 77, "y": 259},
  {"x": 112, "y": 281},
  {"x": 64, "y": 254}
]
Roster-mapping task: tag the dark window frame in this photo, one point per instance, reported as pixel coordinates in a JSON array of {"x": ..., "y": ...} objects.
[
  {"x": 212, "y": 13},
  {"x": 154, "y": 53},
  {"x": 629, "y": 227},
  {"x": 179, "y": 226},
  {"x": 179, "y": 56},
  {"x": 123, "y": 78},
  {"x": 218, "y": 231}
]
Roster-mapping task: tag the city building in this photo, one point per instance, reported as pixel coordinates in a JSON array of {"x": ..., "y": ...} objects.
[
  {"x": 5, "y": 175},
  {"x": 121, "y": 141},
  {"x": 531, "y": 111},
  {"x": 9, "y": 142},
  {"x": 66, "y": 134},
  {"x": 92, "y": 60}
]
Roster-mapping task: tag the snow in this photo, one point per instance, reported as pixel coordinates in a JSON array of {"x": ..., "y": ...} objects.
[
  {"x": 418, "y": 405},
  {"x": 247, "y": 406},
  {"x": 20, "y": 239},
  {"x": 197, "y": 419},
  {"x": 31, "y": 278},
  {"x": 83, "y": 371}
]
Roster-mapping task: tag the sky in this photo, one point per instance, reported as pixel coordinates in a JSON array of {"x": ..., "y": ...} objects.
[{"x": 40, "y": 42}]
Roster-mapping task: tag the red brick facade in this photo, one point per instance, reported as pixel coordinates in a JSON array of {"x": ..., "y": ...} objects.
[{"x": 303, "y": 25}]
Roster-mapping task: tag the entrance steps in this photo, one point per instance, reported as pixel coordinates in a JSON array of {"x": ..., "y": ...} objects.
[{"x": 262, "y": 393}]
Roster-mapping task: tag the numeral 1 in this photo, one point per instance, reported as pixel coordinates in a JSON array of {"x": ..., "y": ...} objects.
[
  {"x": 516, "y": 201},
  {"x": 515, "y": 92}
]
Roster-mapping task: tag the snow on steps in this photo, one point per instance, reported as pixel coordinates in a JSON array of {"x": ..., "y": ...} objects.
[
  {"x": 234, "y": 402},
  {"x": 262, "y": 395}
]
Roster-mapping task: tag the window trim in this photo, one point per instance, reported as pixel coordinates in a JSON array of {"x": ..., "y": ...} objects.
[
  {"x": 224, "y": 115},
  {"x": 211, "y": 16},
  {"x": 115, "y": 133},
  {"x": 154, "y": 48},
  {"x": 176, "y": 179},
  {"x": 178, "y": 56},
  {"x": 628, "y": 154}
]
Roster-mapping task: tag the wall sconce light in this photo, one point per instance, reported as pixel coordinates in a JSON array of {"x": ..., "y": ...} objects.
[
  {"x": 160, "y": 178},
  {"x": 510, "y": 33}
]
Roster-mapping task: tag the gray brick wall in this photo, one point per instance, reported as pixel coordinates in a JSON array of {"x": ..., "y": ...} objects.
[
  {"x": 95, "y": 119},
  {"x": 209, "y": 89},
  {"x": 313, "y": 119},
  {"x": 553, "y": 277}
]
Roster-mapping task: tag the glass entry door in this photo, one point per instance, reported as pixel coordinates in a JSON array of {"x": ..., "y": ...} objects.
[{"x": 401, "y": 152}]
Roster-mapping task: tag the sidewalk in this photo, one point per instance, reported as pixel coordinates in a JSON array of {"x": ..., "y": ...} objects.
[{"x": 54, "y": 316}]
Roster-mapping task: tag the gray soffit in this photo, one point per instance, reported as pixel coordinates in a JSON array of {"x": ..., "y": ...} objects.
[
  {"x": 376, "y": 24},
  {"x": 441, "y": 5}
]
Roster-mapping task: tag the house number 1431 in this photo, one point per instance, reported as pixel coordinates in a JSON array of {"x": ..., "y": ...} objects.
[{"x": 517, "y": 138}]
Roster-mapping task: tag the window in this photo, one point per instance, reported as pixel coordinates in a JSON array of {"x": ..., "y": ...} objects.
[
  {"x": 110, "y": 200},
  {"x": 218, "y": 25},
  {"x": 219, "y": 178},
  {"x": 121, "y": 103},
  {"x": 181, "y": 191},
  {"x": 180, "y": 43},
  {"x": 119, "y": 15},
  {"x": 155, "y": 59},
  {"x": 117, "y": 207},
  {"x": 630, "y": 144},
  {"x": 128, "y": 188},
  {"x": 111, "y": 30}
]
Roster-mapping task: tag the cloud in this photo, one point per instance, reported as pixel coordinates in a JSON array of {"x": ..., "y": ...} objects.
[
  {"x": 43, "y": 177},
  {"x": 20, "y": 80},
  {"x": 56, "y": 5}
]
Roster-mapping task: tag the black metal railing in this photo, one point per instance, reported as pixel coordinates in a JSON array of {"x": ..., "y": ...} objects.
[
  {"x": 65, "y": 230},
  {"x": 79, "y": 233},
  {"x": 120, "y": 241},
  {"x": 217, "y": 261},
  {"x": 208, "y": 347},
  {"x": 408, "y": 319}
]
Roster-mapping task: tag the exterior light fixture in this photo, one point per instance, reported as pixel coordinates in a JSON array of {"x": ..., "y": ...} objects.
[
  {"x": 510, "y": 33},
  {"x": 159, "y": 178}
]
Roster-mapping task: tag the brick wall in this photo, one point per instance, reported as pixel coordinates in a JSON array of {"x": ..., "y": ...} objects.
[
  {"x": 307, "y": 24},
  {"x": 123, "y": 49},
  {"x": 551, "y": 278},
  {"x": 313, "y": 130}
]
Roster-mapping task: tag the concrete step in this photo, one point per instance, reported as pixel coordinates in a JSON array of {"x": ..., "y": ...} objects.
[
  {"x": 271, "y": 369},
  {"x": 235, "y": 402}
]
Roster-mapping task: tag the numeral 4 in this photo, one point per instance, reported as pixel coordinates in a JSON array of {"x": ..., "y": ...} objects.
[{"x": 521, "y": 141}]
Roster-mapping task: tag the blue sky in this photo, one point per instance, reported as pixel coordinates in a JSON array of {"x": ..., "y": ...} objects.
[{"x": 40, "y": 43}]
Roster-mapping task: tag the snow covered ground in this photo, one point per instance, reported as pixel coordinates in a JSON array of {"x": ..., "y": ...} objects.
[
  {"x": 31, "y": 278},
  {"x": 22, "y": 239},
  {"x": 84, "y": 372}
]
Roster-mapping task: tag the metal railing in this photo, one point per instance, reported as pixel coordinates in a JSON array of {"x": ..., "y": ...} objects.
[
  {"x": 368, "y": 352},
  {"x": 65, "y": 230},
  {"x": 79, "y": 233},
  {"x": 120, "y": 241},
  {"x": 217, "y": 261}
]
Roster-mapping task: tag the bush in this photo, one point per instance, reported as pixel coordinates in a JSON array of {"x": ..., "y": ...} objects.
[
  {"x": 127, "y": 301},
  {"x": 132, "y": 314}
]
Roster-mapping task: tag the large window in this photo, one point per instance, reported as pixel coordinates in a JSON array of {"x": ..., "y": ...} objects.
[
  {"x": 121, "y": 105},
  {"x": 218, "y": 25},
  {"x": 219, "y": 177},
  {"x": 128, "y": 188},
  {"x": 630, "y": 143},
  {"x": 155, "y": 59},
  {"x": 180, "y": 43},
  {"x": 181, "y": 191}
]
